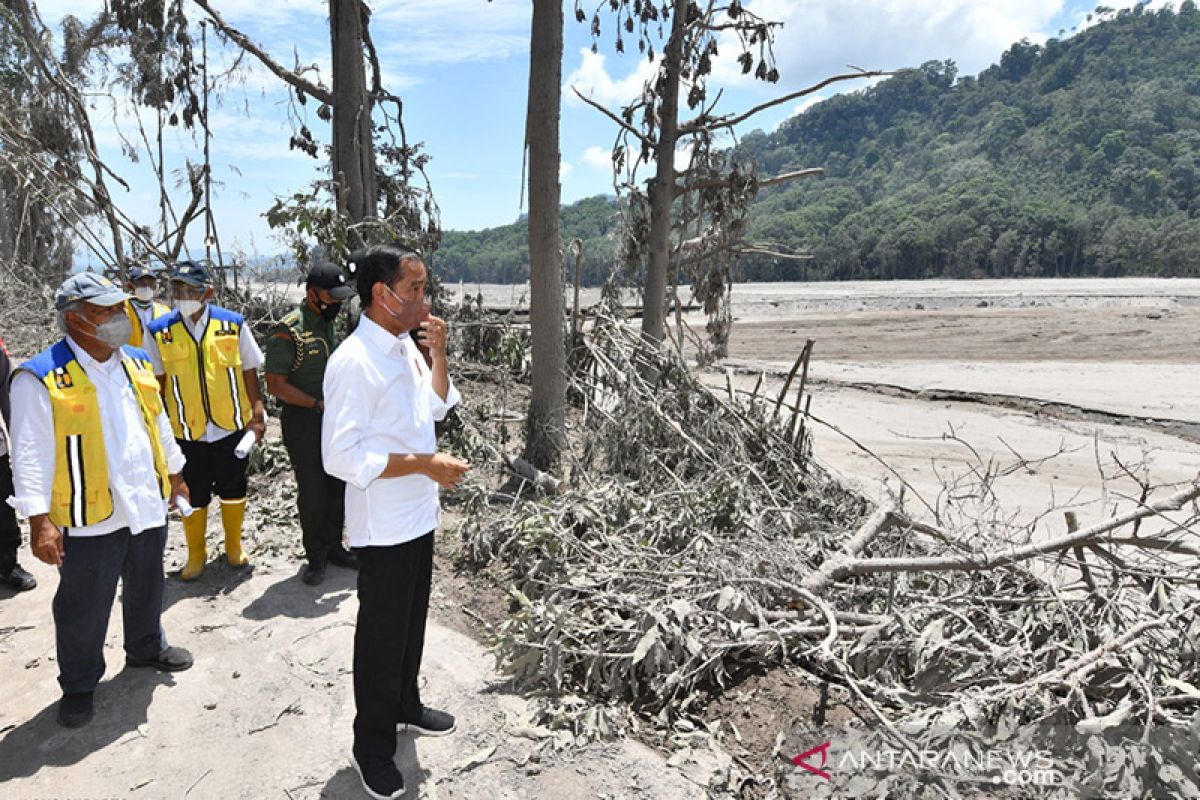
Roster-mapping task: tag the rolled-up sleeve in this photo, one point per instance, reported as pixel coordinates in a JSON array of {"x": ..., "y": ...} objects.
[
  {"x": 440, "y": 407},
  {"x": 32, "y": 446},
  {"x": 248, "y": 349},
  {"x": 345, "y": 442}
]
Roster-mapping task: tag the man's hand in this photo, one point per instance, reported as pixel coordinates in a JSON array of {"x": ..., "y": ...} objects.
[
  {"x": 258, "y": 424},
  {"x": 446, "y": 470},
  {"x": 179, "y": 490},
  {"x": 433, "y": 336},
  {"x": 46, "y": 540}
]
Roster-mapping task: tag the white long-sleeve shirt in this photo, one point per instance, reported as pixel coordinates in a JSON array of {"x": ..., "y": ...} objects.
[
  {"x": 251, "y": 355},
  {"x": 138, "y": 503},
  {"x": 379, "y": 400}
]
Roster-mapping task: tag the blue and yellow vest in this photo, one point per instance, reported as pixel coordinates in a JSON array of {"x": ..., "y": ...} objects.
[
  {"x": 138, "y": 334},
  {"x": 203, "y": 381},
  {"x": 80, "y": 494}
]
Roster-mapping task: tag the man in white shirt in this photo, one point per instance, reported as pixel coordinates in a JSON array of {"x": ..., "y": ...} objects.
[
  {"x": 207, "y": 362},
  {"x": 12, "y": 574},
  {"x": 383, "y": 393},
  {"x": 94, "y": 466}
]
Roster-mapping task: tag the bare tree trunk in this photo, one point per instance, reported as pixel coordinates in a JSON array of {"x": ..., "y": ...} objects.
[
  {"x": 353, "y": 144},
  {"x": 546, "y": 423},
  {"x": 662, "y": 189}
]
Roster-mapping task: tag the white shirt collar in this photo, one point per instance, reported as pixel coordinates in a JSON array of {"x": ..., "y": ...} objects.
[
  {"x": 90, "y": 364},
  {"x": 377, "y": 338}
]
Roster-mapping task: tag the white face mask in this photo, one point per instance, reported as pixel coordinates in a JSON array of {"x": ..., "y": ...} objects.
[
  {"x": 144, "y": 293},
  {"x": 189, "y": 308},
  {"x": 114, "y": 333}
]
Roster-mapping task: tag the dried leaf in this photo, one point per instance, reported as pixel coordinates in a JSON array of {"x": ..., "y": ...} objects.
[{"x": 648, "y": 640}]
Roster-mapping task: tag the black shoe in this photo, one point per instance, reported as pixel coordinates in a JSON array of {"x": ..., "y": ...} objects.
[
  {"x": 75, "y": 709},
  {"x": 432, "y": 723},
  {"x": 173, "y": 659},
  {"x": 17, "y": 578},
  {"x": 313, "y": 573},
  {"x": 341, "y": 557},
  {"x": 382, "y": 781}
]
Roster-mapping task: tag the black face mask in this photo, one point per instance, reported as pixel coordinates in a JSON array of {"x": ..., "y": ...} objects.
[{"x": 328, "y": 311}]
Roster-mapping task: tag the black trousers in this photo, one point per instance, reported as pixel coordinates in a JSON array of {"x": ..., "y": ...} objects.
[
  {"x": 320, "y": 497},
  {"x": 10, "y": 531},
  {"x": 393, "y": 601},
  {"x": 86, "y": 588},
  {"x": 212, "y": 466}
]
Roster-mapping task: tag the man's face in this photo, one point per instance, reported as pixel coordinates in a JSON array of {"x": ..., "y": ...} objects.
[
  {"x": 143, "y": 283},
  {"x": 181, "y": 290},
  {"x": 83, "y": 320},
  {"x": 318, "y": 297},
  {"x": 97, "y": 315},
  {"x": 409, "y": 289},
  {"x": 410, "y": 286}
]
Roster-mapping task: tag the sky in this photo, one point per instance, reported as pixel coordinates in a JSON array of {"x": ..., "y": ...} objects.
[{"x": 461, "y": 67}]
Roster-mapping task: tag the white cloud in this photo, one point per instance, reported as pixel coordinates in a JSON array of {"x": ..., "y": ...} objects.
[
  {"x": 598, "y": 158},
  {"x": 808, "y": 103},
  {"x": 592, "y": 80},
  {"x": 259, "y": 14},
  {"x": 820, "y": 39},
  {"x": 683, "y": 157},
  {"x": 1083, "y": 22},
  {"x": 450, "y": 31},
  {"x": 564, "y": 169},
  {"x": 245, "y": 15}
]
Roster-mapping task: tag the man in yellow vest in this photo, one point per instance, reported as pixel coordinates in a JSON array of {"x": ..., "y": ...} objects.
[
  {"x": 94, "y": 466},
  {"x": 142, "y": 307},
  {"x": 207, "y": 363}
]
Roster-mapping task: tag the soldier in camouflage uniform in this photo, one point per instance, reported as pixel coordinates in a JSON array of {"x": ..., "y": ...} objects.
[{"x": 297, "y": 351}]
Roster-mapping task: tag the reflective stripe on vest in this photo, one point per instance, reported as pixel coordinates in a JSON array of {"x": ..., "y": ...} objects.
[
  {"x": 80, "y": 493},
  {"x": 220, "y": 395}
]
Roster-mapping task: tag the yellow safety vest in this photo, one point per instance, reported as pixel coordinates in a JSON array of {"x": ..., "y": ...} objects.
[
  {"x": 204, "y": 381},
  {"x": 139, "y": 330},
  {"x": 80, "y": 494}
]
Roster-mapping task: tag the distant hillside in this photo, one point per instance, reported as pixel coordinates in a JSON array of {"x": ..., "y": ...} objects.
[
  {"x": 1077, "y": 157},
  {"x": 501, "y": 255}
]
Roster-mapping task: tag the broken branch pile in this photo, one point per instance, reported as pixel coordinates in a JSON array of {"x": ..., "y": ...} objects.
[{"x": 695, "y": 544}]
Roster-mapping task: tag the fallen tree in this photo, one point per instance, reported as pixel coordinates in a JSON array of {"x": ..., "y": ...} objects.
[{"x": 693, "y": 543}]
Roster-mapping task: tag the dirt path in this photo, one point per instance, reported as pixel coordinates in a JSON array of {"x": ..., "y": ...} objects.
[{"x": 267, "y": 709}]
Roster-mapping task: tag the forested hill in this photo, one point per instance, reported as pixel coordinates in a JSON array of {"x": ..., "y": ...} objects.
[{"x": 1077, "y": 157}]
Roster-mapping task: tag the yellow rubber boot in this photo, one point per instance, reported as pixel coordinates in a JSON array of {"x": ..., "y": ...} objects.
[
  {"x": 232, "y": 514},
  {"x": 194, "y": 526}
]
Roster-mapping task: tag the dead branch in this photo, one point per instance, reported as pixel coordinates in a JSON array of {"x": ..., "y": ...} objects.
[
  {"x": 712, "y": 124},
  {"x": 290, "y": 77},
  {"x": 625, "y": 126}
]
